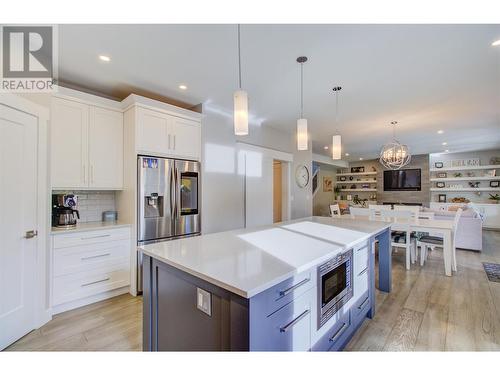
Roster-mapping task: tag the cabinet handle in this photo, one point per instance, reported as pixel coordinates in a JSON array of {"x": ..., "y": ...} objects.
[
  {"x": 361, "y": 248},
  {"x": 286, "y": 327},
  {"x": 169, "y": 141},
  {"x": 95, "y": 256},
  {"x": 362, "y": 272},
  {"x": 283, "y": 293},
  {"x": 84, "y": 174},
  {"x": 96, "y": 282},
  {"x": 91, "y": 237},
  {"x": 339, "y": 332},
  {"x": 174, "y": 140},
  {"x": 91, "y": 178},
  {"x": 362, "y": 306}
]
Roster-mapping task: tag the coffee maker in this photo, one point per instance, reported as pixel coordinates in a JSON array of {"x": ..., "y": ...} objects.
[{"x": 63, "y": 211}]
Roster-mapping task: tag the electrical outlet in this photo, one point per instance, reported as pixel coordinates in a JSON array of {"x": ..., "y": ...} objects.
[{"x": 204, "y": 301}]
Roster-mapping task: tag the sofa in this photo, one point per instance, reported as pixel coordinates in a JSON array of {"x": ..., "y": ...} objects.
[{"x": 469, "y": 234}]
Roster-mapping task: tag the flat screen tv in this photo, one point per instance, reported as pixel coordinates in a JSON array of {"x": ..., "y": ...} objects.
[{"x": 402, "y": 180}]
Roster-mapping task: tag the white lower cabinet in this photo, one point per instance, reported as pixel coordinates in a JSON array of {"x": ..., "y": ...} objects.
[{"x": 89, "y": 266}]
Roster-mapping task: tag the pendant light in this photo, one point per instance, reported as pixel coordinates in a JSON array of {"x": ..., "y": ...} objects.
[
  {"x": 394, "y": 155},
  {"x": 337, "y": 139},
  {"x": 302, "y": 138},
  {"x": 240, "y": 101}
]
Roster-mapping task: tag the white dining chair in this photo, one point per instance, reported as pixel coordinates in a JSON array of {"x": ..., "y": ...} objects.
[
  {"x": 335, "y": 210},
  {"x": 431, "y": 242},
  {"x": 415, "y": 210},
  {"x": 402, "y": 238},
  {"x": 357, "y": 211}
]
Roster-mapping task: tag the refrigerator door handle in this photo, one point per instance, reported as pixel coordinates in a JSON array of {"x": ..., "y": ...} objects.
[
  {"x": 177, "y": 194},
  {"x": 171, "y": 195}
]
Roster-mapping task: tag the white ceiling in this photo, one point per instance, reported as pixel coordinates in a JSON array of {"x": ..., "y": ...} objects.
[{"x": 426, "y": 77}]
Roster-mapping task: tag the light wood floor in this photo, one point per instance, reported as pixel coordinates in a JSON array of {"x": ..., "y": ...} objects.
[{"x": 425, "y": 311}]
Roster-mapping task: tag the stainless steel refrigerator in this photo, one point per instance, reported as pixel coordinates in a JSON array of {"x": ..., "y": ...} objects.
[{"x": 168, "y": 201}]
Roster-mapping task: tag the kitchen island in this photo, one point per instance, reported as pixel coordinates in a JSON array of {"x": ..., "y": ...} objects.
[{"x": 265, "y": 288}]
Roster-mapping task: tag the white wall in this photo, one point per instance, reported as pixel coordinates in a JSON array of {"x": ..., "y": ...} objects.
[{"x": 222, "y": 185}]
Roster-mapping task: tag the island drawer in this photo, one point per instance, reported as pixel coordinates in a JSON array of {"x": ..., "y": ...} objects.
[
  {"x": 332, "y": 335},
  {"x": 90, "y": 237},
  {"x": 361, "y": 257},
  {"x": 288, "y": 329},
  {"x": 283, "y": 293},
  {"x": 361, "y": 307}
]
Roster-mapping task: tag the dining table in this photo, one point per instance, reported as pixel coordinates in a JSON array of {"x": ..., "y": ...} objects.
[{"x": 443, "y": 228}]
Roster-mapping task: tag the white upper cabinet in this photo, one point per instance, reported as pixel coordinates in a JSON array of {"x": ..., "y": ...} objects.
[
  {"x": 152, "y": 131},
  {"x": 68, "y": 134},
  {"x": 185, "y": 138},
  {"x": 167, "y": 135},
  {"x": 105, "y": 148},
  {"x": 86, "y": 146}
]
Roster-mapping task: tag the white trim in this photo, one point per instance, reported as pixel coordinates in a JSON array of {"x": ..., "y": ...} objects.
[
  {"x": 42, "y": 306},
  {"x": 155, "y": 105},
  {"x": 88, "y": 300},
  {"x": 327, "y": 160},
  {"x": 275, "y": 154}
]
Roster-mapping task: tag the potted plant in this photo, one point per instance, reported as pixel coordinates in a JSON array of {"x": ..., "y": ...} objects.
[
  {"x": 337, "y": 192},
  {"x": 495, "y": 198}
]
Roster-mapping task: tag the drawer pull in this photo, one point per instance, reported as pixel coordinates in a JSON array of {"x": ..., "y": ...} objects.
[
  {"x": 361, "y": 248},
  {"x": 95, "y": 256},
  {"x": 283, "y": 293},
  {"x": 362, "y": 272},
  {"x": 95, "y": 282},
  {"x": 91, "y": 237},
  {"x": 339, "y": 332},
  {"x": 285, "y": 328},
  {"x": 363, "y": 304}
]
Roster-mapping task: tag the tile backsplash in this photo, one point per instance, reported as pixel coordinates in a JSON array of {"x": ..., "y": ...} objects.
[{"x": 91, "y": 204}]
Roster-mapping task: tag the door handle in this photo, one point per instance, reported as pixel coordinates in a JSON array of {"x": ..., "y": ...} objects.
[
  {"x": 293, "y": 322},
  {"x": 30, "y": 234}
]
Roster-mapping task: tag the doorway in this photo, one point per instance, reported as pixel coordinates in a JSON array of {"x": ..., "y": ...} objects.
[{"x": 280, "y": 191}]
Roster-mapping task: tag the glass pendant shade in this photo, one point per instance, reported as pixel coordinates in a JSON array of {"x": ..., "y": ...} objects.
[
  {"x": 240, "y": 112},
  {"x": 336, "y": 147},
  {"x": 302, "y": 139}
]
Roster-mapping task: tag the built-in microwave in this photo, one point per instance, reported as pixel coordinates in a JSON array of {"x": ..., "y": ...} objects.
[{"x": 334, "y": 286}]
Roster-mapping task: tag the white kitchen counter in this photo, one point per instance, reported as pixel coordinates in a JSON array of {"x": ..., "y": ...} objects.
[
  {"x": 86, "y": 227},
  {"x": 249, "y": 261}
]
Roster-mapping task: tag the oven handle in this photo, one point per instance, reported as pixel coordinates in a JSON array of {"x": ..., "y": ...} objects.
[
  {"x": 339, "y": 332},
  {"x": 283, "y": 293},
  {"x": 293, "y": 322}
]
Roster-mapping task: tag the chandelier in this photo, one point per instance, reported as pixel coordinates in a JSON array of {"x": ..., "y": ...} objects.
[{"x": 394, "y": 155}]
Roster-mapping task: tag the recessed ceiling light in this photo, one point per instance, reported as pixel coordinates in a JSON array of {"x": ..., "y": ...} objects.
[
  {"x": 444, "y": 143},
  {"x": 496, "y": 43},
  {"x": 326, "y": 147},
  {"x": 440, "y": 131},
  {"x": 360, "y": 158},
  {"x": 446, "y": 150},
  {"x": 104, "y": 58},
  {"x": 183, "y": 87},
  {"x": 346, "y": 154}
]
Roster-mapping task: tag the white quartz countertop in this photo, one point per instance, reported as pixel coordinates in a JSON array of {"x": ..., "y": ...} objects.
[
  {"x": 85, "y": 227},
  {"x": 249, "y": 261}
]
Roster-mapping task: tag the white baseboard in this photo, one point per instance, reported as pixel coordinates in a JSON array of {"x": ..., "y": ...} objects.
[{"x": 88, "y": 300}]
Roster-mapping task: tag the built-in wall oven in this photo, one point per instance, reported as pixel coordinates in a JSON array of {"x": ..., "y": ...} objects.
[{"x": 334, "y": 285}]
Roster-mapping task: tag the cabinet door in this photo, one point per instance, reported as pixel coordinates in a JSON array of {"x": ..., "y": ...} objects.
[
  {"x": 185, "y": 138},
  {"x": 105, "y": 149},
  {"x": 69, "y": 153},
  {"x": 152, "y": 131}
]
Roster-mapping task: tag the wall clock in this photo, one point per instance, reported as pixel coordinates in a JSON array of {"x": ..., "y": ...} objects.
[{"x": 302, "y": 176}]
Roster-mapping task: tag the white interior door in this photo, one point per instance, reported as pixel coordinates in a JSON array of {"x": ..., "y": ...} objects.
[{"x": 18, "y": 202}]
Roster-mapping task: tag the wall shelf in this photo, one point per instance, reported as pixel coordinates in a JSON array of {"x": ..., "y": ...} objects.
[
  {"x": 359, "y": 174},
  {"x": 372, "y": 190},
  {"x": 466, "y": 178},
  {"x": 465, "y": 189},
  {"x": 494, "y": 166},
  {"x": 358, "y": 182}
]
